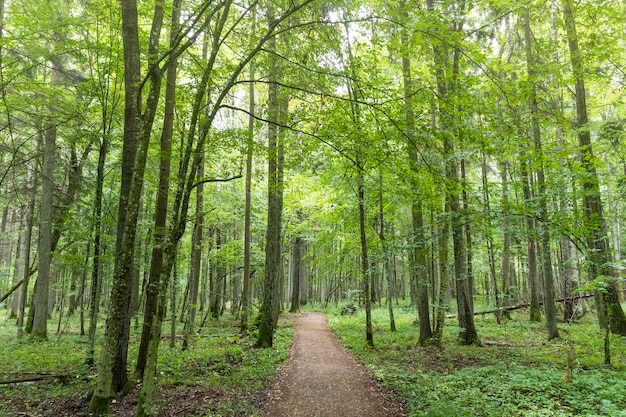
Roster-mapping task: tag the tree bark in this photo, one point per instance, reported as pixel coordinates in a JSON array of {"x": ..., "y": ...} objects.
[
  {"x": 296, "y": 274},
  {"x": 247, "y": 239},
  {"x": 31, "y": 181},
  {"x": 274, "y": 210},
  {"x": 112, "y": 376},
  {"x": 44, "y": 256},
  {"x": 196, "y": 261},
  {"x": 365, "y": 265},
  {"x": 490, "y": 251},
  {"x": 162, "y": 195},
  {"x": 509, "y": 294},
  {"x": 546, "y": 253},
  {"x": 533, "y": 276},
  {"x": 387, "y": 255},
  {"x": 418, "y": 260},
  {"x": 610, "y": 313},
  {"x": 96, "y": 271}
]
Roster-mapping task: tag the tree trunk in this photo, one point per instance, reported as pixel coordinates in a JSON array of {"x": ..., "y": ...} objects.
[
  {"x": 386, "y": 255},
  {"x": 490, "y": 250},
  {"x": 219, "y": 275},
  {"x": 365, "y": 266},
  {"x": 533, "y": 278},
  {"x": 509, "y": 294},
  {"x": 546, "y": 257},
  {"x": 247, "y": 239},
  {"x": 296, "y": 274},
  {"x": 112, "y": 364},
  {"x": 162, "y": 196},
  {"x": 274, "y": 192},
  {"x": 42, "y": 292},
  {"x": 447, "y": 73},
  {"x": 31, "y": 185},
  {"x": 610, "y": 313},
  {"x": 96, "y": 271},
  {"x": 196, "y": 261},
  {"x": 418, "y": 258},
  {"x": 112, "y": 375}
]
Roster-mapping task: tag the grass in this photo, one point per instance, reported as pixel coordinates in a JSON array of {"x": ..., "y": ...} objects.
[
  {"x": 518, "y": 373},
  {"x": 221, "y": 374}
]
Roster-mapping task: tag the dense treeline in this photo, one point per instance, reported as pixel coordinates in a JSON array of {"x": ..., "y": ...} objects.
[{"x": 191, "y": 159}]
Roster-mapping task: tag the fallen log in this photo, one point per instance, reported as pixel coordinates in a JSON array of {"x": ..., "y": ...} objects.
[
  {"x": 34, "y": 378},
  {"x": 522, "y": 305}
]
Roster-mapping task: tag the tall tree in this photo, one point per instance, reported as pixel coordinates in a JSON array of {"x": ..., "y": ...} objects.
[
  {"x": 273, "y": 258},
  {"x": 112, "y": 376},
  {"x": 247, "y": 239},
  {"x": 610, "y": 312},
  {"x": 418, "y": 258},
  {"x": 446, "y": 64},
  {"x": 546, "y": 251},
  {"x": 42, "y": 286}
]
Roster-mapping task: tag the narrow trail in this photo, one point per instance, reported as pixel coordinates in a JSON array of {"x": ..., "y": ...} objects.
[{"x": 321, "y": 378}]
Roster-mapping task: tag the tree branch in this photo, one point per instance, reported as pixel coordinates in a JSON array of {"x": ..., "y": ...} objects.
[{"x": 207, "y": 180}]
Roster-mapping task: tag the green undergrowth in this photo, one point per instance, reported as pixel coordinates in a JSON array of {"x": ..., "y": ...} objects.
[
  {"x": 516, "y": 372},
  {"x": 221, "y": 374}
]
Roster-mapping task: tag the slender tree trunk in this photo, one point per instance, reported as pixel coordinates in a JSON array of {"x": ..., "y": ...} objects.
[
  {"x": 418, "y": 258},
  {"x": 18, "y": 265},
  {"x": 272, "y": 241},
  {"x": 506, "y": 266},
  {"x": 546, "y": 257},
  {"x": 115, "y": 332},
  {"x": 469, "y": 255},
  {"x": 247, "y": 240},
  {"x": 283, "y": 109},
  {"x": 96, "y": 270},
  {"x": 218, "y": 281},
  {"x": 490, "y": 250},
  {"x": 446, "y": 73},
  {"x": 173, "y": 291},
  {"x": 196, "y": 261},
  {"x": 386, "y": 254},
  {"x": 296, "y": 274},
  {"x": 365, "y": 265},
  {"x": 42, "y": 292},
  {"x": 162, "y": 196},
  {"x": 533, "y": 276},
  {"x": 359, "y": 165},
  {"x": 31, "y": 181},
  {"x": 610, "y": 313}
]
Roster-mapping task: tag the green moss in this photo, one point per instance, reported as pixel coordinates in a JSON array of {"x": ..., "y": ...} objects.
[{"x": 99, "y": 406}]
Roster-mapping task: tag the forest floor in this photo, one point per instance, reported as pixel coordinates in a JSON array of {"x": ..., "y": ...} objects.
[
  {"x": 321, "y": 378},
  {"x": 221, "y": 374}
]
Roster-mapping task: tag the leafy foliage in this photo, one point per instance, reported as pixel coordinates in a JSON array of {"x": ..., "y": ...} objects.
[{"x": 517, "y": 374}]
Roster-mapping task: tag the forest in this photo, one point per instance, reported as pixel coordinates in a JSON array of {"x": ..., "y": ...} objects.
[{"x": 446, "y": 179}]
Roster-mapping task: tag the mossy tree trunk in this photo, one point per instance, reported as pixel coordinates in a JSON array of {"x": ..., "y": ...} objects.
[{"x": 273, "y": 262}]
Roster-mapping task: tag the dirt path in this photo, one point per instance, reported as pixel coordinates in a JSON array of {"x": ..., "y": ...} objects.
[{"x": 321, "y": 378}]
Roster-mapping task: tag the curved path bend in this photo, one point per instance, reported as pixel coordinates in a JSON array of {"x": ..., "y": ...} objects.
[{"x": 321, "y": 378}]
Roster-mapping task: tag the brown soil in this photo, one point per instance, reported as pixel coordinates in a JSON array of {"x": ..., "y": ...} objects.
[{"x": 321, "y": 378}]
